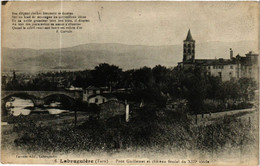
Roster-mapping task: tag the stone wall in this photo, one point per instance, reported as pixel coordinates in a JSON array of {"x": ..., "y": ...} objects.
[{"x": 111, "y": 108}]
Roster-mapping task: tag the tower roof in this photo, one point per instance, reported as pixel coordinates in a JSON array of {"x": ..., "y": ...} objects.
[{"x": 189, "y": 37}]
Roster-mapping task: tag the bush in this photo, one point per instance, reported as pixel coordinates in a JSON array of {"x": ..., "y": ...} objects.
[
  {"x": 152, "y": 128},
  {"x": 219, "y": 105}
]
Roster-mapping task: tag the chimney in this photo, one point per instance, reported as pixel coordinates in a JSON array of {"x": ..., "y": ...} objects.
[{"x": 231, "y": 53}]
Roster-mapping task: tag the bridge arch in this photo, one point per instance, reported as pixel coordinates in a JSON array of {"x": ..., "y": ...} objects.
[
  {"x": 66, "y": 100},
  {"x": 21, "y": 95},
  {"x": 39, "y": 97}
]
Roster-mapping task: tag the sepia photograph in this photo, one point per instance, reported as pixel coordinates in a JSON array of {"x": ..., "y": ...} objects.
[{"x": 130, "y": 83}]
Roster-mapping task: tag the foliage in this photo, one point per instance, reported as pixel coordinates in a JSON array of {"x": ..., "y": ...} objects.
[
  {"x": 106, "y": 75},
  {"x": 152, "y": 128},
  {"x": 152, "y": 85},
  {"x": 220, "y": 105}
]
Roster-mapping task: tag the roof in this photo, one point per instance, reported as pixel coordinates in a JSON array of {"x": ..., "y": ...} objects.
[
  {"x": 220, "y": 61},
  {"x": 251, "y": 53},
  {"x": 106, "y": 95},
  {"x": 207, "y": 62},
  {"x": 92, "y": 88},
  {"x": 189, "y": 37},
  {"x": 245, "y": 61}
]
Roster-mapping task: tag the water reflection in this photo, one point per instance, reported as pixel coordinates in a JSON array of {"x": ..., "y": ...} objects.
[
  {"x": 18, "y": 106},
  {"x": 56, "y": 111},
  {"x": 53, "y": 108}
]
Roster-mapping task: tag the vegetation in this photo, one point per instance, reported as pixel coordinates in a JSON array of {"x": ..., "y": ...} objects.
[
  {"x": 151, "y": 85},
  {"x": 152, "y": 128}
]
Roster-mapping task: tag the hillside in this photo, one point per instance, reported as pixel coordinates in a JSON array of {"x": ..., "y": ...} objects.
[{"x": 87, "y": 56}]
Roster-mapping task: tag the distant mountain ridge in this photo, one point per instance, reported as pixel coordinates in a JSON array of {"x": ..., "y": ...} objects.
[{"x": 87, "y": 56}]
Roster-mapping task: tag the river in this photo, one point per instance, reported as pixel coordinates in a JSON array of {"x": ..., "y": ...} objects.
[{"x": 18, "y": 106}]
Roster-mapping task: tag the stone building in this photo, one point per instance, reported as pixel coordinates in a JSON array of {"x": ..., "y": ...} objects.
[
  {"x": 97, "y": 95},
  {"x": 90, "y": 91},
  {"x": 226, "y": 69}
]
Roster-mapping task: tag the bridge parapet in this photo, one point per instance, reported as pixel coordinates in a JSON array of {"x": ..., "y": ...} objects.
[{"x": 76, "y": 95}]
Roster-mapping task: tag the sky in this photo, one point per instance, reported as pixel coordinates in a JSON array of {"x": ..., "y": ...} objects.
[{"x": 137, "y": 23}]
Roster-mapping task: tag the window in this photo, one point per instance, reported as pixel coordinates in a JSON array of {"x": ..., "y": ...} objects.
[
  {"x": 94, "y": 91},
  {"x": 231, "y": 67},
  {"x": 220, "y": 74},
  {"x": 230, "y": 74},
  {"x": 96, "y": 100},
  {"x": 103, "y": 100}
]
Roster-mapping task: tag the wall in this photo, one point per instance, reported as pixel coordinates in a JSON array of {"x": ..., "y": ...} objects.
[
  {"x": 250, "y": 72},
  {"x": 227, "y": 71},
  {"x": 112, "y": 108},
  {"x": 101, "y": 99},
  {"x": 89, "y": 92}
]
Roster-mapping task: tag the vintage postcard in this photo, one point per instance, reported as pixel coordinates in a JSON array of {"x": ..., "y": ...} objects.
[{"x": 130, "y": 83}]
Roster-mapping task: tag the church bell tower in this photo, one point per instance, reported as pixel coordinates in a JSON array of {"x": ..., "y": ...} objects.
[{"x": 189, "y": 48}]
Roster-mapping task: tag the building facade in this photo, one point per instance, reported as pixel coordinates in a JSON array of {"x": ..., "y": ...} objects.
[
  {"x": 227, "y": 69},
  {"x": 96, "y": 95}
]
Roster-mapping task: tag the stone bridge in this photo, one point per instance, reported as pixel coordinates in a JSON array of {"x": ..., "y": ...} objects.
[{"x": 38, "y": 97}]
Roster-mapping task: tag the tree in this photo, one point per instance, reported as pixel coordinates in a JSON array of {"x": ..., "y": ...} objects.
[
  {"x": 161, "y": 77},
  {"x": 79, "y": 81},
  {"x": 194, "y": 84},
  {"x": 143, "y": 78},
  {"x": 160, "y": 74},
  {"x": 106, "y": 75}
]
